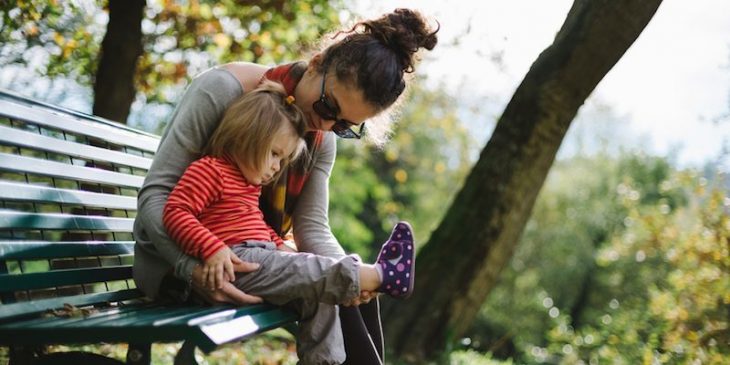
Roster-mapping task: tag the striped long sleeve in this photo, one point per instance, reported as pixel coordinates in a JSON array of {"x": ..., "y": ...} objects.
[
  {"x": 198, "y": 188},
  {"x": 212, "y": 205}
]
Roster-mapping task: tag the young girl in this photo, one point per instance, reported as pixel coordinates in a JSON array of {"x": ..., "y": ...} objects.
[{"x": 213, "y": 214}]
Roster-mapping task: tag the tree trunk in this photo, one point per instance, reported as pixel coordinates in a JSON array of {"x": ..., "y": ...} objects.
[
  {"x": 122, "y": 45},
  {"x": 461, "y": 263}
]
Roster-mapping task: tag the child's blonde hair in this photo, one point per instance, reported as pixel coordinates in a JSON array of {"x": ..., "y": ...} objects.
[{"x": 246, "y": 132}]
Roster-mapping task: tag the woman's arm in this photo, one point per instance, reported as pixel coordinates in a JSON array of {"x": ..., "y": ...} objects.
[{"x": 312, "y": 232}]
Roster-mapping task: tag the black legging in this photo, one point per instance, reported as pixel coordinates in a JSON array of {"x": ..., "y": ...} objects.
[{"x": 359, "y": 326}]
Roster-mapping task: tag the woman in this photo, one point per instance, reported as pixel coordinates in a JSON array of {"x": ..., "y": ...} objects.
[{"x": 356, "y": 78}]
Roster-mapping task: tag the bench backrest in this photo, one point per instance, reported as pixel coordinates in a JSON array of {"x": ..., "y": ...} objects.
[{"x": 68, "y": 187}]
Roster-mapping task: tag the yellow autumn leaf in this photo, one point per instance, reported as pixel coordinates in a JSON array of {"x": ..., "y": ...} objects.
[
  {"x": 692, "y": 336},
  {"x": 682, "y": 314},
  {"x": 31, "y": 30},
  {"x": 59, "y": 39},
  {"x": 647, "y": 356},
  {"x": 222, "y": 40},
  {"x": 390, "y": 207},
  {"x": 391, "y": 155},
  {"x": 401, "y": 176}
]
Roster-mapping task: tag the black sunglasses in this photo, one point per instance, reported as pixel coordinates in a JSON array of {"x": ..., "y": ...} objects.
[{"x": 325, "y": 110}]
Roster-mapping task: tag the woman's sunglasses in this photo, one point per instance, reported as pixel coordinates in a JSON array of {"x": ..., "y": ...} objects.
[{"x": 325, "y": 110}]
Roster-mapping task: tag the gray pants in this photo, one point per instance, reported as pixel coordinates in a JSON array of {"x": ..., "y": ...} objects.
[{"x": 312, "y": 285}]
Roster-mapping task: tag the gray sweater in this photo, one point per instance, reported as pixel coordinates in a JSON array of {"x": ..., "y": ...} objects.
[{"x": 191, "y": 124}]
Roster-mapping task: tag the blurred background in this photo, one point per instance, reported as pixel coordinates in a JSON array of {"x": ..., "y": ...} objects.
[{"x": 625, "y": 258}]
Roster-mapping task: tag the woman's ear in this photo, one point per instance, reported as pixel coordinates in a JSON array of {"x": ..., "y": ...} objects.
[{"x": 314, "y": 62}]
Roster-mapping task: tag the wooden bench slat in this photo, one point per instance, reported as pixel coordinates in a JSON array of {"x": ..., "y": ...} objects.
[
  {"x": 60, "y": 315},
  {"x": 14, "y": 97},
  {"x": 107, "y": 314},
  {"x": 206, "y": 336},
  {"x": 68, "y": 222},
  {"x": 148, "y": 314},
  {"x": 39, "y": 142},
  {"x": 26, "y": 250},
  {"x": 22, "y": 309},
  {"x": 12, "y": 191},
  {"x": 118, "y": 317},
  {"x": 64, "y": 277},
  {"x": 211, "y": 317},
  {"x": 106, "y": 132},
  {"x": 23, "y": 164}
]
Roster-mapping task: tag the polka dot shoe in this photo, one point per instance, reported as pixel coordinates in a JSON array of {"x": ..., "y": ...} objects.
[{"x": 398, "y": 260}]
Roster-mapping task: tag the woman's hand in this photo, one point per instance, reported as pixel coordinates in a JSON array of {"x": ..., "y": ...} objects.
[
  {"x": 228, "y": 293},
  {"x": 364, "y": 298}
]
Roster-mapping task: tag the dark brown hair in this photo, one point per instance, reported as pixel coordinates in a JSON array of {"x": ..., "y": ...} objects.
[{"x": 375, "y": 54}]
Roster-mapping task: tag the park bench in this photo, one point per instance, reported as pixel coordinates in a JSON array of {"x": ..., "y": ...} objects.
[{"x": 68, "y": 186}]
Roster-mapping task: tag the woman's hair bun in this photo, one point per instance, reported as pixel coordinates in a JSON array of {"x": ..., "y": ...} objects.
[{"x": 404, "y": 31}]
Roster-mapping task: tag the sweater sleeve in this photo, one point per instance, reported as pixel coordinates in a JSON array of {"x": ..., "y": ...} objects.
[
  {"x": 312, "y": 231},
  {"x": 200, "y": 186}
]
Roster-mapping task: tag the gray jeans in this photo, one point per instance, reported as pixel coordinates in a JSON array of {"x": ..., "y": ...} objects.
[{"x": 310, "y": 284}]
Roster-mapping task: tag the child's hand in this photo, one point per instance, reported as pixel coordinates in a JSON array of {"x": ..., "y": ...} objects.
[{"x": 219, "y": 267}]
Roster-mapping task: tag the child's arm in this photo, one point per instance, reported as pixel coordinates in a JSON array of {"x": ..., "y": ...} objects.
[
  {"x": 219, "y": 267},
  {"x": 198, "y": 188}
]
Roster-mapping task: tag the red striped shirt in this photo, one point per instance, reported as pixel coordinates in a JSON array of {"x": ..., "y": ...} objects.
[{"x": 213, "y": 205}]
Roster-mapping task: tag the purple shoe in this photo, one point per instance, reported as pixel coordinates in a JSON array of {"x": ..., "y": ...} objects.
[{"x": 398, "y": 260}]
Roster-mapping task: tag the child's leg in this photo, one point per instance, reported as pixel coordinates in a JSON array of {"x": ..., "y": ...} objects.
[
  {"x": 370, "y": 279},
  {"x": 284, "y": 277},
  {"x": 304, "y": 282}
]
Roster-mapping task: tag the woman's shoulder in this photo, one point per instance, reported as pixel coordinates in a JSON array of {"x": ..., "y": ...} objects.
[
  {"x": 217, "y": 82},
  {"x": 248, "y": 74}
]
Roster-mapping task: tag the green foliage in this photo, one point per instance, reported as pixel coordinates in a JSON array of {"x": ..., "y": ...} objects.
[
  {"x": 355, "y": 185},
  {"x": 412, "y": 178},
  {"x": 56, "y": 38},
  {"x": 625, "y": 260},
  {"x": 682, "y": 259},
  {"x": 470, "y": 357},
  {"x": 62, "y": 38},
  {"x": 182, "y": 39}
]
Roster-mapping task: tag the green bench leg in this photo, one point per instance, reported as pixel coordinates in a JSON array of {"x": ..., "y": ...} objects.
[
  {"x": 186, "y": 354},
  {"x": 37, "y": 356},
  {"x": 139, "y": 353},
  {"x": 20, "y": 355}
]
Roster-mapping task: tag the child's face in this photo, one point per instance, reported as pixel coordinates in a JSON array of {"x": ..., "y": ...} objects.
[{"x": 285, "y": 141}]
